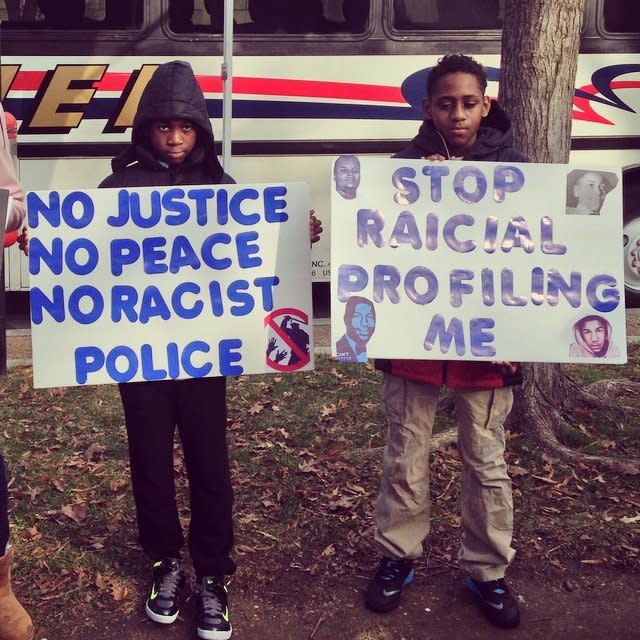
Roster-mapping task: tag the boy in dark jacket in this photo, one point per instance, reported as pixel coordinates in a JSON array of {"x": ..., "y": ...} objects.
[
  {"x": 461, "y": 123},
  {"x": 172, "y": 143}
]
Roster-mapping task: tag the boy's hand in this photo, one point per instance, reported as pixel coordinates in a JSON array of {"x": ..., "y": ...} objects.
[
  {"x": 437, "y": 156},
  {"x": 506, "y": 367},
  {"x": 315, "y": 227},
  {"x": 23, "y": 241}
]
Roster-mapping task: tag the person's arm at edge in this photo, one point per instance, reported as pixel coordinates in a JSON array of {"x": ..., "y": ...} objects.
[{"x": 9, "y": 180}]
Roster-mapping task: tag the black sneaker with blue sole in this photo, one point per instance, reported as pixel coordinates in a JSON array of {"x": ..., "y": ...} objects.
[
  {"x": 385, "y": 589},
  {"x": 497, "y": 604}
]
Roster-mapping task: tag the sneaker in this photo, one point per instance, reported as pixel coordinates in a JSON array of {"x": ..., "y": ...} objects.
[
  {"x": 162, "y": 605},
  {"x": 213, "y": 610},
  {"x": 384, "y": 591},
  {"x": 498, "y": 605}
]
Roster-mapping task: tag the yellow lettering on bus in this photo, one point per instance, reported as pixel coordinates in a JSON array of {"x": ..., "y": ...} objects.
[
  {"x": 130, "y": 106},
  {"x": 59, "y": 93},
  {"x": 7, "y": 76}
]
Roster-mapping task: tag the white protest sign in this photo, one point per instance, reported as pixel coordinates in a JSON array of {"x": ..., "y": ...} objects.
[
  {"x": 476, "y": 261},
  {"x": 169, "y": 283}
]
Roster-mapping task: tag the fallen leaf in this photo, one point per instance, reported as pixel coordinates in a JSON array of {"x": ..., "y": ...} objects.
[
  {"x": 630, "y": 520},
  {"x": 77, "y": 512}
]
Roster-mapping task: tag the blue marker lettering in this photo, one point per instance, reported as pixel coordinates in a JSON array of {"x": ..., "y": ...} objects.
[
  {"x": 87, "y": 360},
  {"x": 275, "y": 204},
  {"x": 187, "y": 364},
  {"x": 228, "y": 354},
  {"x": 76, "y": 304}
]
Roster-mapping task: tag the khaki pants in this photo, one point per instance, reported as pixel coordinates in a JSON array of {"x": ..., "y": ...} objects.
[{"x": 402, "y": 510}]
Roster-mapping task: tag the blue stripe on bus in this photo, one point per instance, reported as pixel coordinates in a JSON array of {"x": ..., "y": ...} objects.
[
  {"x": 104, "y": 108},
  {"x": 328, "y": 111}
]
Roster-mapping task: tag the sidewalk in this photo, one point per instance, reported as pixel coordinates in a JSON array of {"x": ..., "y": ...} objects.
[{"x": 19, "y": 338}]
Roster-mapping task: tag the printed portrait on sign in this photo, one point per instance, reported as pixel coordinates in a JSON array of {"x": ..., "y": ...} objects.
[
  {"x": 359, "y": 323},
  {"x": 587, "y": 191},
  {"x": 592, "y": 338},
  {"x": 346, "y": 175}
]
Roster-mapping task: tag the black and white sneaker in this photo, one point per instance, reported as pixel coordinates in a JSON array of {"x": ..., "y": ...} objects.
[
  {"x": 384, "y": 591},
  {"x": 213, "y": 610},
  {"x": 498, "y": 605},
  {"x": 163, "y": 603}
]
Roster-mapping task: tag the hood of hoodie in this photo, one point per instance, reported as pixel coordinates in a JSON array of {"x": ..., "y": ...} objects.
[
  {"x": 172, "y": 93},
  {"x": 495, "y": 135}
]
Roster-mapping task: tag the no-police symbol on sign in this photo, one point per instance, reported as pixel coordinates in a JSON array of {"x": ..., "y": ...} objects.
[{"x": 288, "y": 346}]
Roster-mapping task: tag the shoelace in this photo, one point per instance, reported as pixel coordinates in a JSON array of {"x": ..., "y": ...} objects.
[
  {"x": 169, "y": 583},
  {"x": 211, "y": 600}
]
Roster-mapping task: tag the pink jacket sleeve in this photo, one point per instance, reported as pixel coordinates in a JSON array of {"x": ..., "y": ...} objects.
[{"x": 9, "y": 180}]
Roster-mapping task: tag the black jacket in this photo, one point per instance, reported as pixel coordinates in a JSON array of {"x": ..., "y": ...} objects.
[
  {"x": 171, "y": 93},
  {"x": 494, "y": 141}
]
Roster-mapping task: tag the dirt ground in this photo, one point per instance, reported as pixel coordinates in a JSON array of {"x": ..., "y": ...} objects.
[{"x": 583, "y": 603}]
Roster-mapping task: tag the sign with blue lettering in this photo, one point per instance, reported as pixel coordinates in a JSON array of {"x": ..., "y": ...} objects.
[
  {"x": 476, "y": 261},
  {"x": 169, "y": 283}
]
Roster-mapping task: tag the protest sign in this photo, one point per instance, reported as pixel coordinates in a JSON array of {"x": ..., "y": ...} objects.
[
  {"x": 169, "y": 283},
  {"x": 476, "y": 261}
]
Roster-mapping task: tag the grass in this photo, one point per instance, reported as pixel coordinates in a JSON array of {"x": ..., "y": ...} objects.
[
  {"x": 305, "y": 456},
  {"x": 586, "y": 374},
  {"x": 607, "y": 431}
]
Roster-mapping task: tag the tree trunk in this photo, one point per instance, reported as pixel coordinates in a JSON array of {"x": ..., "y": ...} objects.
[{"x": 540, "y": 43}]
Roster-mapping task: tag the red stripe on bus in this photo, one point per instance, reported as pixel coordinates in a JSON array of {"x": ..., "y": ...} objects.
[
  {"x": 27, "y": 80},
  {"x": 117, "y": 81},
  {"x": 318, "y": 89},
  {"x": 112, "y": 82},
  {"x": 585, "y": 109},
  {"x": 305, "y": 89}
]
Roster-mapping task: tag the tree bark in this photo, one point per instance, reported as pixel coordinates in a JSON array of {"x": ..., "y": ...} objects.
[{"x": 540, "y": 44}]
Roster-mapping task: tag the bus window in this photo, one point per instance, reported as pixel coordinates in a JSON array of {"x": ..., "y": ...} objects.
[
  {"x": 621, "y": 16},
  {"x": 74, "y": 14},
  {"x": 410, "y": 15},
  {"x": 271, "y": 16}
]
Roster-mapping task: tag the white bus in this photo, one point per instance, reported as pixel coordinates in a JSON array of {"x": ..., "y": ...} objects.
[{"x": 312, "y": 79}]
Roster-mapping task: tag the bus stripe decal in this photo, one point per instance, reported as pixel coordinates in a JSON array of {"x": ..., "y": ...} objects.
[
  {"x": 584, "y": 106},
  {"x": 103, "y": 109},
  {"x": 112, "y": 81},
  {"x": 27, "y": 80}
]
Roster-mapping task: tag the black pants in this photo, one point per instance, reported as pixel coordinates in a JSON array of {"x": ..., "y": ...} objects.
[
  {"x": 198, "y": 408},
  {"x": 4, "y": 508}
]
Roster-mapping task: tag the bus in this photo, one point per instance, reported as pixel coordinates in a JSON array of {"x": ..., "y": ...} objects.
[{"x": 311, "y": 80}]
